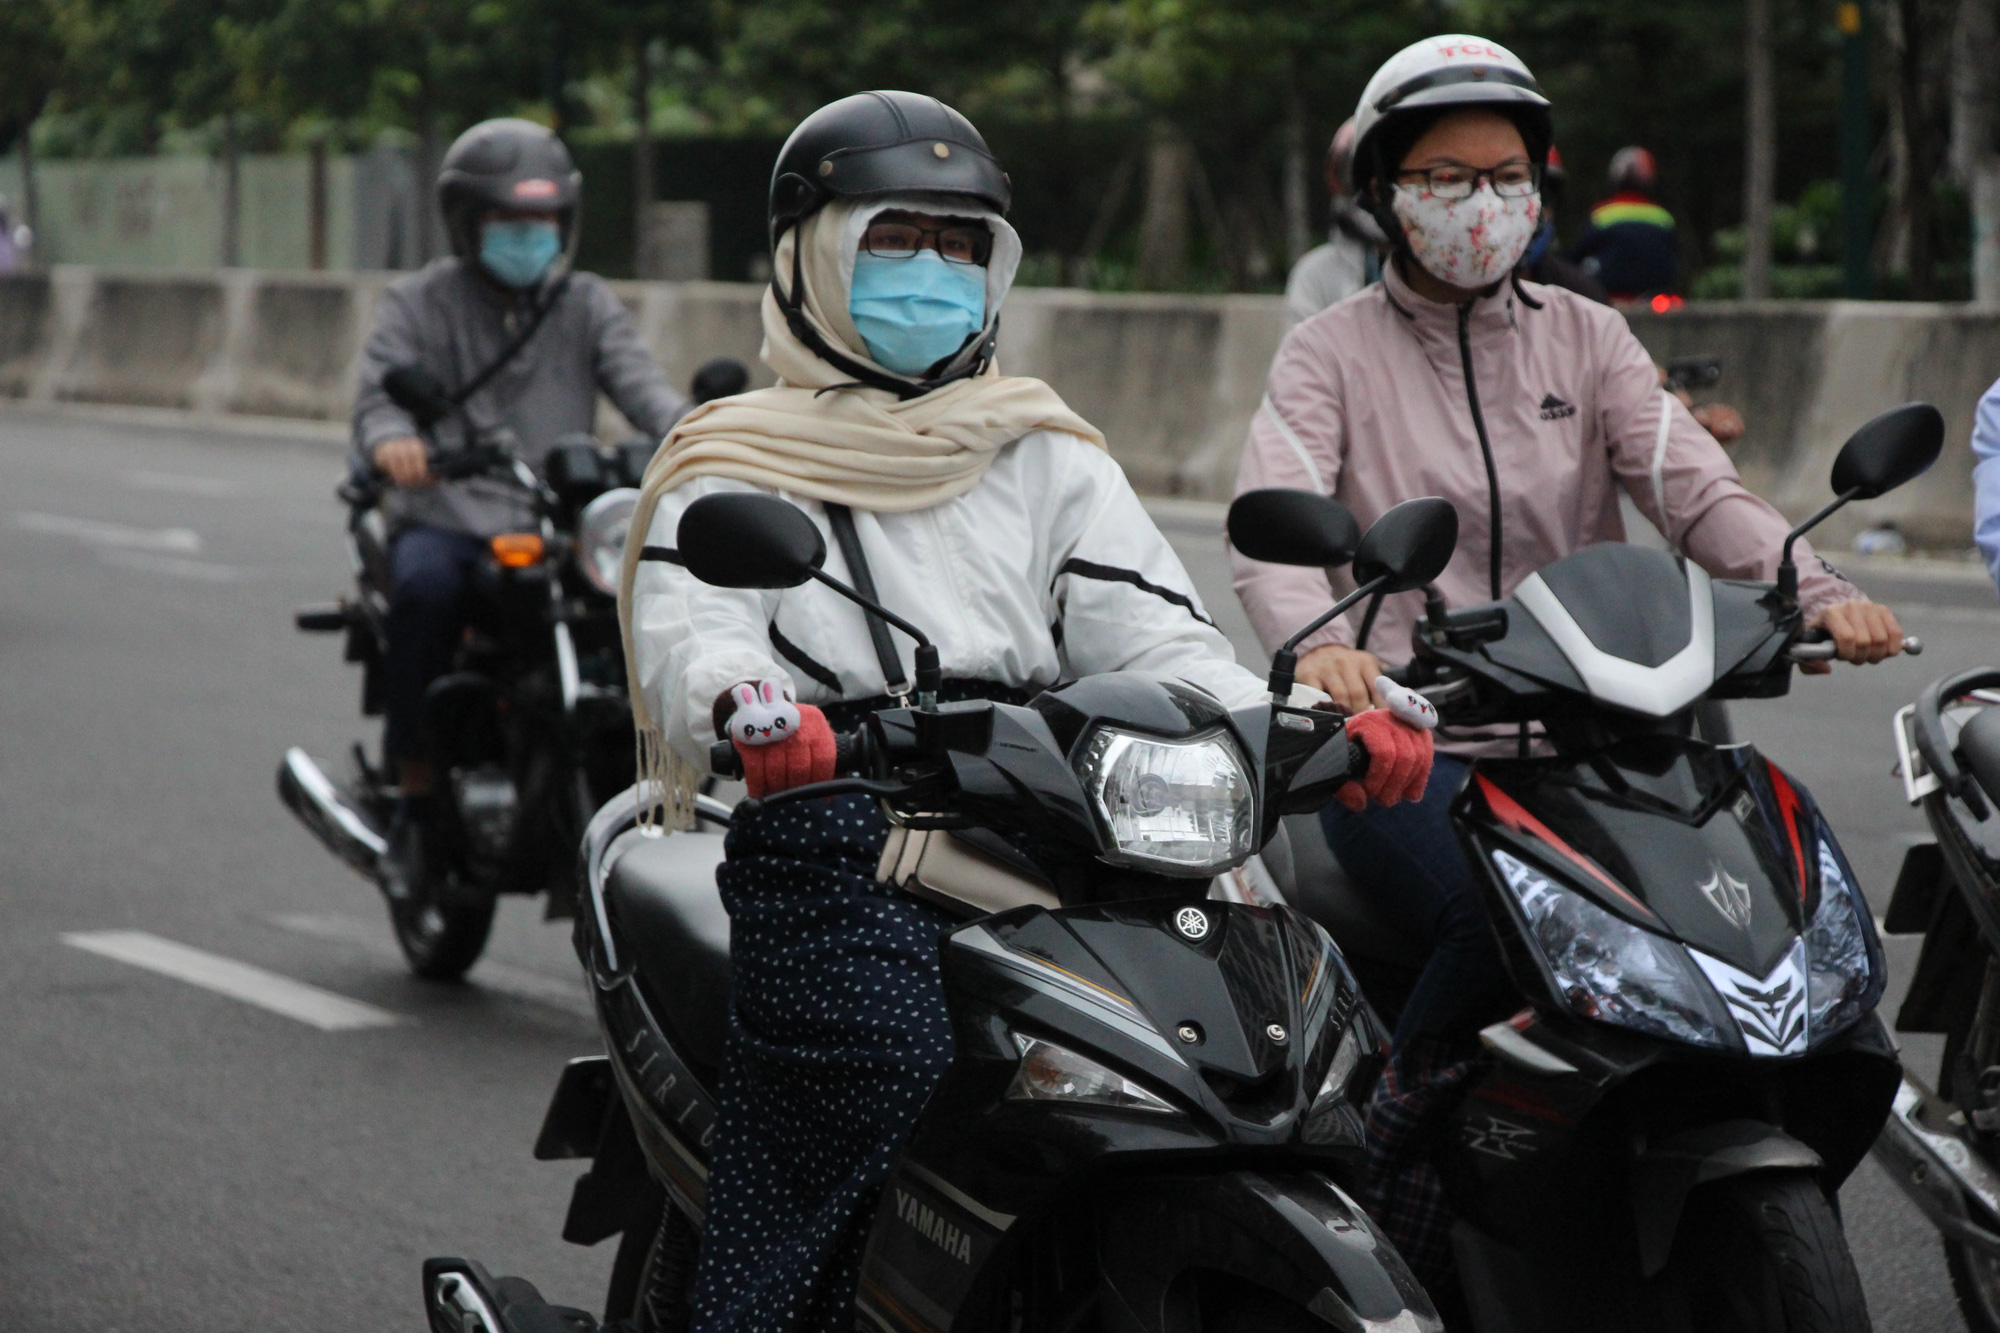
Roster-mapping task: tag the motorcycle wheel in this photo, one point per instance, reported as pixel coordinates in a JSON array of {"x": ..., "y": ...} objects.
[
  {"x": 1765, "y": 1254},
  {"x": 652, "y": 1279},
  {"x": 1975, "y": 1276},
  {"x": 441, "y": 940}
]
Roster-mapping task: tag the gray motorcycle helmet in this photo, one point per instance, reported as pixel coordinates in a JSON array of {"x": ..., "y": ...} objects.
[{"x": 501, "y": 164}]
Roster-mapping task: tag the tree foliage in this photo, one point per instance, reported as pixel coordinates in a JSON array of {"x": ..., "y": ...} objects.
[{"x": 1253, "y": 87}]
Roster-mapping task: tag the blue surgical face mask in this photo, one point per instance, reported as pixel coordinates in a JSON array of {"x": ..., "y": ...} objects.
[
  {"x": 517, "y": 254},
  {"x": 915, "y": 312}
]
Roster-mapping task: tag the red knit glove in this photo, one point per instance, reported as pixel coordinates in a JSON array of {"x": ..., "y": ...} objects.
[
  {"x": 1399, "y": 760},
  {"x": 781, "y": 744}
]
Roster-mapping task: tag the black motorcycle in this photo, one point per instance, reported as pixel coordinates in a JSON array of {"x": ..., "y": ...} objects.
[
  {"x": 531, "y": 728},
  {"x": 1149, "y": 1123},
  {"x": 1944, "y": 1150},
  {"x": 1655, "y": 1139}
]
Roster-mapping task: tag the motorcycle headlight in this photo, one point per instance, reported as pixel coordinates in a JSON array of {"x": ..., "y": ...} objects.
[
  {"x": 1839, "y": 972},
  {"x": 1183, "y": 807},
  {"x": 1611, "y": 970},
  {"x": 1052, "y": 1073},
  {"x": 600, "y": 537}
]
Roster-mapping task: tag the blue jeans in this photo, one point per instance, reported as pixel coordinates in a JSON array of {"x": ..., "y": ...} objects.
[
  {"x": 1405, "y": 859},
  {"x": 429, "y": 570}
]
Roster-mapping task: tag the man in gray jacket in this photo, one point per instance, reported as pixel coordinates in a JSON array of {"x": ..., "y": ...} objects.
[{"x": 525, "y": 345}]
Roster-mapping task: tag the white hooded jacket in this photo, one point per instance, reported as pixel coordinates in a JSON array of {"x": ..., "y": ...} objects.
[{"x": 1047, "y": 569}]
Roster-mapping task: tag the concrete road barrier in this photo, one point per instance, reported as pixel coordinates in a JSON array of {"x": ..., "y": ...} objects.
[{"x": 1172, "y": 380}]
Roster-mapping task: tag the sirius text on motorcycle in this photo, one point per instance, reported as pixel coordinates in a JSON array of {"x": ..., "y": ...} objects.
[
  {"x": 985, "y": 1009},
  {"x": 1578, "y": 849}
]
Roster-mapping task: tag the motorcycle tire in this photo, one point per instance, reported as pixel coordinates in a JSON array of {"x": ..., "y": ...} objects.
[
  {"x": 652, "y": 1279},
  {"x": 441, "y": 941},
  {"x": 1765, "y": 1253},
  {"x": 1975, "y": 1277}
]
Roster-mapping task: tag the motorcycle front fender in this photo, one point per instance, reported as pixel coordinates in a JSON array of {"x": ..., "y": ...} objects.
[
  {"x": 1295, "y": 1234},
  {"x": 1667, "y": 1171}
]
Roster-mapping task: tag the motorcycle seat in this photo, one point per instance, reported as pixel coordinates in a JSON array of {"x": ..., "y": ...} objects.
[
  {"x": 1316, "y": 885},
  {"x": 668, "y": 912}
]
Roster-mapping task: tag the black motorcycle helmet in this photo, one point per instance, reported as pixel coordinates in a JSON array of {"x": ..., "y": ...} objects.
[
  {"x": 501, "y": 164},
  {"x": 877, "y": 143}
]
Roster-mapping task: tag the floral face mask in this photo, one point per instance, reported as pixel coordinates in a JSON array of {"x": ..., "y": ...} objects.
[{"x": 1471, "y": 242}]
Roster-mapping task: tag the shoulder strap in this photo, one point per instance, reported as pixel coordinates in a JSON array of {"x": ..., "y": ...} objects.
[
  {"x": 513, "y": 349},
  {"x": 841, "y": 518}
]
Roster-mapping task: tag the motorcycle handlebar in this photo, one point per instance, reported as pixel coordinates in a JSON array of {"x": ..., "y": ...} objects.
[
  {"x": 725, "y": 762},
  {"x": 1822, "y": 650}
]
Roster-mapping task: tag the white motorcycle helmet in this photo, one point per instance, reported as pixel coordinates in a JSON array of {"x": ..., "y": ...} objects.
[{"x": 1425, "y": 79}]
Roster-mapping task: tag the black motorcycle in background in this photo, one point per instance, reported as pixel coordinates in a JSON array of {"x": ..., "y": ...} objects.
[
  {"x": 1943, "y": 1148},
  {"x": 1654, "y": 1141},
  {"x": 1150, "y": 1122},
  {"x": 530, "y": 727}
]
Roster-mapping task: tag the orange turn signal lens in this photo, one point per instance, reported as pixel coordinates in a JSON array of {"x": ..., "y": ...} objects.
[{"x": 518, "y": 550}]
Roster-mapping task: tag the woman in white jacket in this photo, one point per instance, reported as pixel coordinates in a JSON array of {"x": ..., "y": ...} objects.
[{"x": 979, "y": 507}]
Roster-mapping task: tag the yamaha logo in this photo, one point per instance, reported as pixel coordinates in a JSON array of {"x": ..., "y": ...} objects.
[{"x": 1191, "y": 922}]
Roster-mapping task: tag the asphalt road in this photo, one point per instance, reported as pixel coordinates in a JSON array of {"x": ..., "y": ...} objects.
[{"x": 173, "y": 1158}]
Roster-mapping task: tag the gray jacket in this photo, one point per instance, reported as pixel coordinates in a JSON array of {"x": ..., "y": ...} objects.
[{"x": 453, "y": 322}]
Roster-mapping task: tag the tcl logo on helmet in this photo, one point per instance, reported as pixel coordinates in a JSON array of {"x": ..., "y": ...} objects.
[
  {"x": 535, "y": 189},
  {"x": 1463, "y": 51}
]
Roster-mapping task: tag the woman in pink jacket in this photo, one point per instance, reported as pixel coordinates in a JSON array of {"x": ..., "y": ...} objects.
[{"x": 1528, "y": 407}]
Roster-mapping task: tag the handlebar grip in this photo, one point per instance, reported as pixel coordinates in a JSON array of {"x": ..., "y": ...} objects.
[
  {"x": 1819, "y": 649},
  {"x": 1357, "y": 761},
  {"x": 724, "y": 762}
]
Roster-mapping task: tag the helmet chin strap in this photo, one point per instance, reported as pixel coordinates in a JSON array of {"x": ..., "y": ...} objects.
[{"x": 803, "y": 330}]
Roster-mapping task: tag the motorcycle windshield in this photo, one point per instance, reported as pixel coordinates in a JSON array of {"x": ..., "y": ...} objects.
[{"x": 1713, "y": 847}]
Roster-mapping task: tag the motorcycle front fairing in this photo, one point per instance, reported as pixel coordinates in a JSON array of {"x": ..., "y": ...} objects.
[
  {"x": 1230, "y": 1018},
  {"x": 1689, "y": 1007}
]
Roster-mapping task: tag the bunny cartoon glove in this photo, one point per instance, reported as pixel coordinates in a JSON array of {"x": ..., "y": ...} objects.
[
  {"x": 782, "y": 744},
  {"x": 1397, "y": 737}
]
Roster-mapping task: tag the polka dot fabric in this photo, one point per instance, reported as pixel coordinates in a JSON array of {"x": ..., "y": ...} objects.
[{"x": 837, "y": 1034}]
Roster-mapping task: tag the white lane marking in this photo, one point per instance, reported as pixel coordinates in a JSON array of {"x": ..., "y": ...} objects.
[
  {"x": 240, "y": 981},
  {"x": 177, "y": 483},
  {"x": 569, "y": 995},
  {"x": 175, "y": 566},
  {"x": 184, "y": 540}
]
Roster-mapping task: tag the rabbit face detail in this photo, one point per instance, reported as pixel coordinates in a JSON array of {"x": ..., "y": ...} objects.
[
  {"x": 763, "y": 716},
  {"x": 1406, "y": 705}
]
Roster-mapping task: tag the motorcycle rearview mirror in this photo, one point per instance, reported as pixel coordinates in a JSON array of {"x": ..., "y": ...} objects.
[
  {"x": 724, "y": 377},
  {"x": 748, "y": 539},
  {"x": 1288, "y": 527},
  {"x": 1893, "y": 448},
  {"x": 419, "y": 393},
  {"x": 1406, "y": 548}
]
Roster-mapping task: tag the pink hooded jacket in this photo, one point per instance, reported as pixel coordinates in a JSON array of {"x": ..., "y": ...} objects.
[{"x": 1368, "y": 401}]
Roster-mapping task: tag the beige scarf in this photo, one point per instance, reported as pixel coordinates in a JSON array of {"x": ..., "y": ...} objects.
[{"x": 816, "y": 434}]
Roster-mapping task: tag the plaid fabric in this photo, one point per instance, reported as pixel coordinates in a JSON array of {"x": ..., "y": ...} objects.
[{"x": 1405, "y": 1192}]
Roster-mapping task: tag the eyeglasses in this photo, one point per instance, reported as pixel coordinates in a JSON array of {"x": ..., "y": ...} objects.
[
  {"x": 1511, "y": 180},
  {"x": 957, "y": 243}
]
